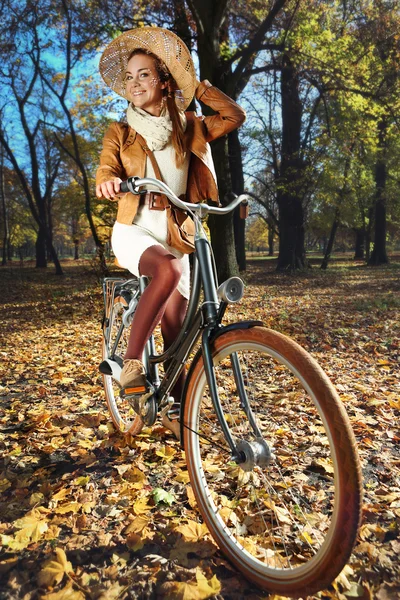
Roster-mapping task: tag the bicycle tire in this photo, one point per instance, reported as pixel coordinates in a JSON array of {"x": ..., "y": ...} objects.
[
  {"x": 123, "y": 416},
  {"x": 290, "y": 527}
]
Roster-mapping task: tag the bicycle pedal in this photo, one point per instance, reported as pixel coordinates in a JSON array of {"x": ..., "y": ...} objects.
[
  {"x": 172, "y": 415},
  {"x": 174, "y": 411},
  {"x": 133, "y": 391}
]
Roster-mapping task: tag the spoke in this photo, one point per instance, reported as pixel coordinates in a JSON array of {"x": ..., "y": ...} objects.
[{"x": 207, "y": 439}]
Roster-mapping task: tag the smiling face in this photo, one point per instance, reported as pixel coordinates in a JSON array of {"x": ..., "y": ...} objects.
[{"x": 142, "y": 83}]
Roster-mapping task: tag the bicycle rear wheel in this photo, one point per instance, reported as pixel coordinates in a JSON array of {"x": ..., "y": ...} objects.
[
  {"x": 115, "y": 342},
  {"x": 289, "y": 525}
]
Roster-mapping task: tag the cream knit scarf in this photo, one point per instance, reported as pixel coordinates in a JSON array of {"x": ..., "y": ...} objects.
[{"x": 155, "y": 130}]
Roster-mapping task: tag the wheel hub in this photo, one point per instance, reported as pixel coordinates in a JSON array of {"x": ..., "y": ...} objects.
[{"x": 255, "y": 453}]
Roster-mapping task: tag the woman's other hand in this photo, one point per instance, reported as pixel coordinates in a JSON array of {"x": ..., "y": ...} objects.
[{"x": 109, "y": 189}]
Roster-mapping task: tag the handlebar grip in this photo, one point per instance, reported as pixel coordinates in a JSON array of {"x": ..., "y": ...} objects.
[
  {"x": 244, "y": 209},
  {"x": 123, "y": 186}
]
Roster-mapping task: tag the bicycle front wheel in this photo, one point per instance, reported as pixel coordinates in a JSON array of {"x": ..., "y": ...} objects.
[
  {"x": 289, "y": 520},
  {"x": 115, "y": 343}
]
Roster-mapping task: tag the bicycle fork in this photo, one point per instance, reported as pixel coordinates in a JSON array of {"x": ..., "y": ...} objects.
[{"x": 244, "y": 453}]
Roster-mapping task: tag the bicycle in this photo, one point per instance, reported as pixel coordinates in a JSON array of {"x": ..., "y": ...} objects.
[{"x": 270, "y": 452}]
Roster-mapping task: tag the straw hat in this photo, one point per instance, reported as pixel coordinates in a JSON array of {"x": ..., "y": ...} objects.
[{"x": 161, "y": 42}]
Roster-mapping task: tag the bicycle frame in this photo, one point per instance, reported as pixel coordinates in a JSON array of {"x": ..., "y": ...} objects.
[{"x": 205, "y": 321}]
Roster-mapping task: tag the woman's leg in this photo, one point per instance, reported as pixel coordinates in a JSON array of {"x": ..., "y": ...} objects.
[
  {"x": 171, "y": 324},
  {"x": 165, "y": 272}
]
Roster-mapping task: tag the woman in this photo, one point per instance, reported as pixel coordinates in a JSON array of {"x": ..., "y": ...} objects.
[{"x": 152, "y": 68}]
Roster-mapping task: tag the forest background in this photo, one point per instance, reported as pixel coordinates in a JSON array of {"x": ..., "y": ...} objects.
[{"x": 319, "y": 152}]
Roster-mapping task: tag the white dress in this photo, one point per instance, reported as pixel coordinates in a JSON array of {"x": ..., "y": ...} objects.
[{"x": 149, "y": 227}]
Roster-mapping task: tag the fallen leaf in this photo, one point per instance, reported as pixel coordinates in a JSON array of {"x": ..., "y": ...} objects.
[
  {"x": 192, "y": 531},
  {"x": 67, "y": 593},
  {"x": 162, "y": 496},
  {"x": 54, "y": 569}
]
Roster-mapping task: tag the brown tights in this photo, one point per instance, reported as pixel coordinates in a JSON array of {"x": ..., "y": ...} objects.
[{"x": 160, "y": 301}]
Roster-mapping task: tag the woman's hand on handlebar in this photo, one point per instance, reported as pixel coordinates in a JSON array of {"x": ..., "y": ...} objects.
[{"x": 109, "y": 189}]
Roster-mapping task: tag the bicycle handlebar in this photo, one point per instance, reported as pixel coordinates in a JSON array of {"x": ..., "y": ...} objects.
[{"x": 132, "y": 184}]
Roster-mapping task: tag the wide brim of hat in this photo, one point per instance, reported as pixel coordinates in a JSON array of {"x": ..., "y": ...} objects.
[{"x": 161, "y": 42}]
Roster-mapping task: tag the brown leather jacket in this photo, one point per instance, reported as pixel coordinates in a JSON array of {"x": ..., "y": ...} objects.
[{"x": 122, "y": 156}]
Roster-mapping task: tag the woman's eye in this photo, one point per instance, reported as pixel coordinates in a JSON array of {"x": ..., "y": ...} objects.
[
  {"x": 143, "y": 75},
  {"x": 128, "y": 77}
]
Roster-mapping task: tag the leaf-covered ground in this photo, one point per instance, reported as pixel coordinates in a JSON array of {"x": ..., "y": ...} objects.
[{"x": 86, "y": 513}]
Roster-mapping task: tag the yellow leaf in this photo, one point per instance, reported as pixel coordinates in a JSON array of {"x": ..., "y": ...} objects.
[
  {"x": 60, "y": 495},
  {"x": 4, "y": 485},
  {"x": 31, "y": 529},
  {"x": 210, "y": 467},
  {"x": 192, "y": 531},
  {"x": 16, "y": 452},
  {"x": 87, "y": 444},
  {"x": 201, "y": 590},
  {"x": 36, "y": 498},
  {"x": 12, "y": 543},
  {"x": 69, "y": 507},
  {"x": 180, "y": 591},
  {"x": 121, "y": 559},
  {"x": 81, "y": 480},
  {"x": 142, "y": 445},
  {"x": 141, "y": 506},
  {"x": 67, "y": 593},
  {"x": 182, "y": 476},
  {"x": 325, "y": 464},
  {"x": 87, "y": 506},
  {"x": 52, "y": 532},
  {"x": 166, "y": 452},
  {"x": 136, "y": 477},
  {"x": 207, "y": 587},
  {"x": 54, "y": 569},
  {"x": 306, "y": 537},
  {"x": 137, "y": 525},
  {"x": 191, "y": 497}
]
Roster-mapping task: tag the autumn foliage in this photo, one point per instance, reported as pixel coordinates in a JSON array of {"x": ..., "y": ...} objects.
[{"x": 87, "y": 513}]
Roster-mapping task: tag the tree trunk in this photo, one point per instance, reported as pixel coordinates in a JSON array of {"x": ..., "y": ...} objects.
[
  {"x": 270, "y": 241},
  {"x": 76, "y": 249},
  {"x": 359, "y": 250},
  {"x": 332, "y": 236},
  {"x": 211, "y": 23},
  {"x": 6, "y": 234},
  {"x": 236, "y": 169},
  {"x": 335, "y": 224},
  {"x": 41, "y": 249},
  {"x": 379, "y": 255},
  {"x": 291, "y": 239},
  {"x": 368, "y": 234},
  {"x": 292, "y": 174},
  {"x": 221, "y": 227}
]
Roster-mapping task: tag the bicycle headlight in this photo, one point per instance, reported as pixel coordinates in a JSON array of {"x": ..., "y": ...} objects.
[{"x": 231, "y": 290}]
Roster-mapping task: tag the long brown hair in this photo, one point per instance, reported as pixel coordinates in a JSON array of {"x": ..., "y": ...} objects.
[{"x": 178, "y": 132}]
